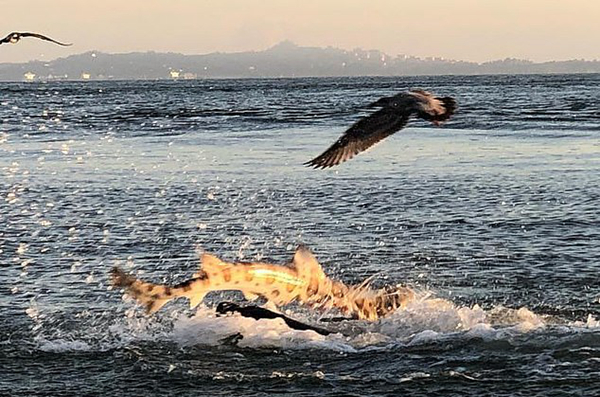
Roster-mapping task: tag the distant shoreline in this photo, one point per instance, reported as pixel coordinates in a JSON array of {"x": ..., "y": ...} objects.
[
  {"x": 42, "y": 81},
  {"x": 285, "y": 60}
]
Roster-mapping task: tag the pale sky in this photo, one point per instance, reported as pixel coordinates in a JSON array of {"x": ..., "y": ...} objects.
[{"x": 473, "y": 30}]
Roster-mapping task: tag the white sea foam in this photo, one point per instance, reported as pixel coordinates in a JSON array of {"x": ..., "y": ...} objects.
[
  {"x": 591, "y": 322},
  {"x": 205, "y": 328},
  {"x": 63, "y": 345},
  {"x": 423, "y": 322}
]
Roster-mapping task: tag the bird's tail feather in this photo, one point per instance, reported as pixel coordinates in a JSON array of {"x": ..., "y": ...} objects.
[{"x": 444, "y": 109}]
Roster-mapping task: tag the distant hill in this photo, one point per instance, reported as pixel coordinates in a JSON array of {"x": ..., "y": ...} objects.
[{"x": 286, "y": 59}]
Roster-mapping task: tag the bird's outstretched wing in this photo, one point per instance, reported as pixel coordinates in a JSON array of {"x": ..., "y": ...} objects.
[
  {"x": 42, "y": 37},
  {"x": 361, "y": 136},
  {"x": 7, "y": 39}
]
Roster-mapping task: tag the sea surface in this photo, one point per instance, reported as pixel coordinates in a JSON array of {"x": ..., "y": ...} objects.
[{"x": 497, "y": 213}]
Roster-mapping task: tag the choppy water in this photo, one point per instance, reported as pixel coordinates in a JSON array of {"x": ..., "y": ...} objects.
[{"x": 497, "y": 212}]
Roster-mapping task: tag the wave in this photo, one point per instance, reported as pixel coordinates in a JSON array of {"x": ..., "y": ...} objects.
[
  {"x": 136, "y": 108},
  {"x": 425, "y": 321}
]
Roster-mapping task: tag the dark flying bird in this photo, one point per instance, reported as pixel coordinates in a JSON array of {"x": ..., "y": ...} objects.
[
  {"x": 393, "y": 116},
  {"x": 14, "y": 37}
]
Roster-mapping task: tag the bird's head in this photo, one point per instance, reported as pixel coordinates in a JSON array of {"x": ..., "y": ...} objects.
[
  {"x": 224, "y": 308},
  {"x": 14, "y": 37}
]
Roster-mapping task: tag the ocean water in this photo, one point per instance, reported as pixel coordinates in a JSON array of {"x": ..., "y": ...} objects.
[{"x": 497, "y": 213}]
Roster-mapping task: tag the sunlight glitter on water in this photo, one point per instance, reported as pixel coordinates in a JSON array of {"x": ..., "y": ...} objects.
[{"x": 496, "y": 218}]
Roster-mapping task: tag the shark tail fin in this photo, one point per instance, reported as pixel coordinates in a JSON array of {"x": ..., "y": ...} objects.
[{"x": 154, "y": 296}]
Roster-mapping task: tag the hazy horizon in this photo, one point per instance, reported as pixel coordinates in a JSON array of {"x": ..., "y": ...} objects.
[
  {"x": 94, "y": 51},
  {"x": 467, "y": 30}
]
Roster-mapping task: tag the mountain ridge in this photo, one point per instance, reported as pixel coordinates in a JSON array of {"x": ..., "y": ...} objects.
[{"x": 285, "y": 59}]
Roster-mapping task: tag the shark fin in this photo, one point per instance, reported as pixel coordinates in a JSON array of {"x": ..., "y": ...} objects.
[
  {"x": 269, "y": 305},
  {"x": 250, "y": 296},
  {"x": 196, "y": 299},
  {"x": 152, "y": 305},
  {"x": 211, "y": 263},
  {"x": 306, "y": 264}
]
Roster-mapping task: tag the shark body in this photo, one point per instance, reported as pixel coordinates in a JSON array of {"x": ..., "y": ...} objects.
[{"x": 302, "y": 281}]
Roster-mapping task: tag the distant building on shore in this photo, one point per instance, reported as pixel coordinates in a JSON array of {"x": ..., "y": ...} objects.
[{"x": 29, "y": 76}]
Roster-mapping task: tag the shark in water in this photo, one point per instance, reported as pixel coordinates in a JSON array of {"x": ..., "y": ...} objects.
[{"x": 302, "y": 281}]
